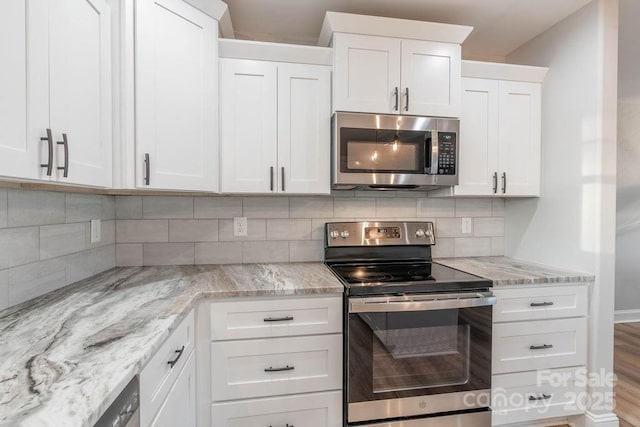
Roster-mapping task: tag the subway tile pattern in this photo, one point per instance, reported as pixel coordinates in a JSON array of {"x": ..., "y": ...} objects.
[
  {"x": 45, "y": 241},
  {"x": 154, "y": 230}
]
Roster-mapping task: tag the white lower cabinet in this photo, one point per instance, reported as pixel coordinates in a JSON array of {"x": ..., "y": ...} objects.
[
  {"x": 309, "y": 410},
  {"x": 265, "y": 376},
  {"x": 539, "y": 353},
  {"x": 179, "y": 408},
  {"x": 167, "y": 382}
]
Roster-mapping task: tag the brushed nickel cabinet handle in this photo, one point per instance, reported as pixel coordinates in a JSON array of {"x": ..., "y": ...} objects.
[
  {"x": 278, "y": 319},
  {"x": 396, "y": 94},
  {"x": 504, "y": 182},
  {"x": 541, "y": 304},
  {"x": 406, "y": 105},
  {"x": 49, "y": 139},
  {"x": 541, "y": 347},
  {"x": 284, "y": 368},
  {"x": 147, "y": 169},
  {"x": 65, "y": 144},
  {"x": 271, "y": 178},
  {"x": 495, "y": 183},
  {"x": 542, "y": 397},
  {"x": 173, "y": 362},
  {"x": 282, "y": 177}
]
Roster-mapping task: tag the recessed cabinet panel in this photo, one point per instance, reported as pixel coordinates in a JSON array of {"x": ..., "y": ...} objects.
[
  {"x": 176, "y": 96},
  {"x": 80, "y": 79},
  {"x": 430, "y": 78},
  {"x": 520, "y": 137},
  {"x": 248, "y": 93},
  {"x": 478, "y": 137},
  {"x": 304, "y": 123},
  {"x": 367, "y": 73}
]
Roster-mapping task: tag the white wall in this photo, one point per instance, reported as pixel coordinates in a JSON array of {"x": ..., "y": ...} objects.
[{"x": 573, "y": 224}]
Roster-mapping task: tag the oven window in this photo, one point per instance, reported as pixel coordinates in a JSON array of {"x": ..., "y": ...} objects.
[
  {"x": 388, "y": 151},
  {"x": 404, "y": 354}
]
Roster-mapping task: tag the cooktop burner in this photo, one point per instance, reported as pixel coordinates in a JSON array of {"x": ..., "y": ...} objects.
[{"x": 403, "y": 277}]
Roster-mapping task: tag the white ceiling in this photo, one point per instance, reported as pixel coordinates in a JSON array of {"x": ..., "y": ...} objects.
[{"x": 500, "y": 25}]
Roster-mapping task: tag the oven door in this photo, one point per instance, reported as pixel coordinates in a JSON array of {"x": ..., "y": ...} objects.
[{"x": 418, "y": 354}]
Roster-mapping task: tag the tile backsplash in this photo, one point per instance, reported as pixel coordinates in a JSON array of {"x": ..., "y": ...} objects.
[
  {"x": 153, "y": 230},
  {"x": 45, "y": 241}
]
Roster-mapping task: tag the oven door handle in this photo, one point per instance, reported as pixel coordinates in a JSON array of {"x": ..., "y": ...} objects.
[{"x": 362, "y": 306}]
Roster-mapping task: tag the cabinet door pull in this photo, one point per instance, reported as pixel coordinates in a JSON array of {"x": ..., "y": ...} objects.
[
  {"x": 543, "y": 397},
  {"x": 173, "y": 362},
  {"x": 49, "y": 139},
  {"x": 65, "y": 144},
  {"x": 495, "y": 183},
  {"x": 147, "y": 169},
  {"x": 396, "y": 95},
  {"x": 285, "y": 368},
  {"x": 271, "y": 178},
  {"x": 287, "y": 425},
  {"x": 504, "y": 183},
  {"x": 406, "y": 105},
  {"x": 282, "y": 177},
  {"x": 278, "y": 319},
  {"x": 541, "y": 347},
  {"x": 541, "y": 304}
]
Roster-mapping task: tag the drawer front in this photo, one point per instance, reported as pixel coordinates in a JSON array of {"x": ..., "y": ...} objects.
[
  {"x": 271, "y": 367},
  {"x": 157, "y": 378},
  {"x": 309, "y": 410},
  {"x": 543, "y": 344},
  {"x": 532, "y": 396},
  {"x": 275, "y": 317},
  {"x": 540, "y": 303}
]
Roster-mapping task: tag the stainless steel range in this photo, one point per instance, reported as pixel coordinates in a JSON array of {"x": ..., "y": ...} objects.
[{"x": 417, "y": 333}]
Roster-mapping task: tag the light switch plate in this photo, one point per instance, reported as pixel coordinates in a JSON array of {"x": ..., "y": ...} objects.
[
  {"x": 240, "y": 226},
  {"x": 96, "y": 231},
  {"x": 467, "y": 227}
]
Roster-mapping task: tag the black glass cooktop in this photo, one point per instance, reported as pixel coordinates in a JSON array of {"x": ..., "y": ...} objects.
[{"x": 382, "y": 278}]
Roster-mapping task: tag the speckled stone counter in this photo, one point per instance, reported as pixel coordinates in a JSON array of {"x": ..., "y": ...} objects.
[
  {"x": 506, "y": 271},
  {"x": 65, "y": 356}
]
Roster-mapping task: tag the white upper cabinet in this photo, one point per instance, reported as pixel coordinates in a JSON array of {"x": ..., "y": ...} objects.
[
  {"x": 304, "y": 124},
  {"x": 176, "y": 96},
  {"x": 275, "y": 127},
  {"x": 56, "y": 76},
  {"x": 430, "y": 78},
  {"x": 248, "y": 126},
  {"x": 519, "y": 152},
  {"x": 500, "y": 130},
  {"x": 367, "y": 73}
]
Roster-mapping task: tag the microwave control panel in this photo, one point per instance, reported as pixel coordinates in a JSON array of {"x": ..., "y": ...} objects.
[{"x": 446, "y": 153}]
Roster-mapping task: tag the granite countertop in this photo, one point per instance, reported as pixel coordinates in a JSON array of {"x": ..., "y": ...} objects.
[
  {"x": 506, "y": 271},
  {"x": 65, "y": 356}
]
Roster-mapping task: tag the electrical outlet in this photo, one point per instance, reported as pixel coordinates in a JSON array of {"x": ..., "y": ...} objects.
[
  {"x": 240, "y": 226},
  {"x": 96, "y": 232},
  {"x": 467, "y": 227}
]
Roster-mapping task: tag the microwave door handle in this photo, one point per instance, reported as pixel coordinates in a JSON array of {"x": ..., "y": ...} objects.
[{"x": 434, "y": 149}]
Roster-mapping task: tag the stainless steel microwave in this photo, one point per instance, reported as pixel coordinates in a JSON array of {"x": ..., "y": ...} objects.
[{"x": 378, "y": 152}]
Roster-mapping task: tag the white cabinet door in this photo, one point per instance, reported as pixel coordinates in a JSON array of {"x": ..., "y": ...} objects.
[
  {"x": 430, "y": 78},
  {"x": 519, "y": 140},
  {"x": 367, "y": 73},
  {"x": 180, "y": 407},
  {"x": 80, "y": 90},
  {"x": 304, "y": 123},
  {"x": 478, "y": 161},
  {"x": 24, "y": 85},
  {"x": 176, "y": 96},
  {"x": 248, "y": 127}
]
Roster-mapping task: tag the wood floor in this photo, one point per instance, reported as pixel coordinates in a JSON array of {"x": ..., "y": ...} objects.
[{"x": 626, "y": 364}]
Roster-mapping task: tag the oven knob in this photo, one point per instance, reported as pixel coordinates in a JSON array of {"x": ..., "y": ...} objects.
[
  {"x": 419, "y": 232},
  {"x": 334, "y": 234},
  {"x": 344, "y": 234}
]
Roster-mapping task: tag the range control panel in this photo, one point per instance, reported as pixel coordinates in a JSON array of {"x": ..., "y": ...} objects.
[
  {"x": 446, "y": 153},
  {"x": 379, "y": 233}
]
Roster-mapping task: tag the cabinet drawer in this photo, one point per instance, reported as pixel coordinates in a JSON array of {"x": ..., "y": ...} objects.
[
  {"x": 157, "y": 378},
  {"x": 542, "y": 344},
  {"x": 271, "y": 367},
  {"x": 531, "y": 396},
  {"x": 275, "y": 317},
  {"x": 540, "y": 303},
  {"x": 309, "y": 410}
]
